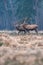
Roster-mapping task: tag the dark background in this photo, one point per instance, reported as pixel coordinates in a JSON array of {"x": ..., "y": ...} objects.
[{"x": 12, "y": 11}]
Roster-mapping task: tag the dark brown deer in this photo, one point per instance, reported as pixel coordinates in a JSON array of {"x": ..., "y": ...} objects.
[{"x": 20, "y": 28}]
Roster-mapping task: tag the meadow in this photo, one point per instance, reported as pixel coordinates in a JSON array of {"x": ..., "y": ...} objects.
[{"x": 21, "y": 49}]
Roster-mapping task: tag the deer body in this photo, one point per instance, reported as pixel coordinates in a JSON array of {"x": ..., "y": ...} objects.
[
  {"x": 31, "y": 27},
  {"x": 26, "y": 28}
]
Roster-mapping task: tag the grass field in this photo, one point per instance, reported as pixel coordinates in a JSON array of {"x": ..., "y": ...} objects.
[{"x": 21, "y": 49}]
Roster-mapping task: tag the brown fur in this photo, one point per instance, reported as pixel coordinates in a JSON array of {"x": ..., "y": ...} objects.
[
  {"x": 27, "y": 27},
  {"x": 31, "y": 27}
]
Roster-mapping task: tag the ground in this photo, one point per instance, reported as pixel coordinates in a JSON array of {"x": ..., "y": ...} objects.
[{"x": 21, "y": 49}]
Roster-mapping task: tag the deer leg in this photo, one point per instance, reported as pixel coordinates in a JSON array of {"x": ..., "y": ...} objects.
[
  {"x": 36, "y": 30},
  {"x": 18, "y": 32},
  {"x": 28, "y": 31},
  {"x": 24, "y": 31}
]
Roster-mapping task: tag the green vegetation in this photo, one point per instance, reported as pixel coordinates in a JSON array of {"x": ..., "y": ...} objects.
[{"x": 1, "y": 43}]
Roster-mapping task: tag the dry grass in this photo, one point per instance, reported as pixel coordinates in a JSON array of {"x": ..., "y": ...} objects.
[{"x": 21, "y": 49}]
